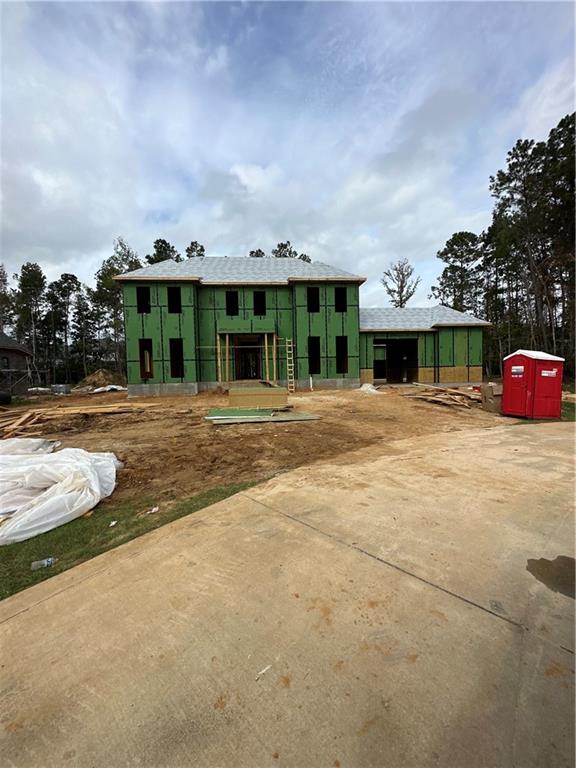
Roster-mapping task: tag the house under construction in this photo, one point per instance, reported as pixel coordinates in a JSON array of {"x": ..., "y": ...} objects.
[{"x": 207, "y": 322}]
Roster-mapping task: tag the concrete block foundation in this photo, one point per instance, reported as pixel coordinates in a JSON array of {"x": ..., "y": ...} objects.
[{"x": 162, "y": 390}]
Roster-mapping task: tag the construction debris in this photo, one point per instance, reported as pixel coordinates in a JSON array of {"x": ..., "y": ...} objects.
[
  {"x": 446, "y": 396},
  {"x": 370, "y": 389},
  {"x": 20, "y": 423},
  {"x": 100, "y": 378}
]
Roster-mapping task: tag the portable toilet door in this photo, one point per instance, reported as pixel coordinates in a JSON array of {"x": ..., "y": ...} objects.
[
  {"x": 517, "y": 384},
  {"x": 547, "y": 400},
  {"x": 532, "y": 385}
]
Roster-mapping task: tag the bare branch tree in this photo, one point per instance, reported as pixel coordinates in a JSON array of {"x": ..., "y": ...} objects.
[{"x": 399, "y": 283}]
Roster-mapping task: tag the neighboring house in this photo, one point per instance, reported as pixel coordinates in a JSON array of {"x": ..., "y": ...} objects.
[
  {"x": 204, "y": 322},
  {"x": 14, "y": 366}
]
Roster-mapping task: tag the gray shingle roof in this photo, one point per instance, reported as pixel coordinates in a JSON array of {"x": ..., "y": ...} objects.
[
  {"x": 7, "y": 342},
  {"x": 414, "y": 319},
  {"x": 218, "y": 270}
]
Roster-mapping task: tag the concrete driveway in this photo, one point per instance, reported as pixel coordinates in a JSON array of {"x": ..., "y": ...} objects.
[{"x": 377, "y": 612}]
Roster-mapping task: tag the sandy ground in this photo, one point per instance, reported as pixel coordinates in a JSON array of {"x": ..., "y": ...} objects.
[
  {"x": 406, "y": 610},
  {"x": 172, "y": 451}
]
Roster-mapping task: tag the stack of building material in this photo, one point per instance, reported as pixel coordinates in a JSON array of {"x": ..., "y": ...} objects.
[
  {"x": 257, "y": 397},
  {"x": 256, "y": 415}
]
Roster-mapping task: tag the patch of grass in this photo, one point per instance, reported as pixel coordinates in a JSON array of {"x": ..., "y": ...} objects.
[
  {"x": 86, "y": 537},
  {"x": 20, "y": 400}
]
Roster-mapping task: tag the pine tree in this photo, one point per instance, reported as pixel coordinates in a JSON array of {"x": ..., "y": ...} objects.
[
  {"x": 28, "y": 305},
  {"x": 163, "y": 250},
  {"x": 6, "y": 302},
  {"x": 459, "y": 285},
  {"x": 194, "y": 251},
  {"x": 107, "y": 298}
]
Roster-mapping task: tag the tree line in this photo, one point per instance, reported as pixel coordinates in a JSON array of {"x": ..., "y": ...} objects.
[
  {"x": 72, "y": 329},
  {"x": 519, "y": 273}
]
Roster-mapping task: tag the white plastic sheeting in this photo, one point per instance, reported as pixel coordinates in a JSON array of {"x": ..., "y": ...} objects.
[
  {"x": 19, "y": 445},
  {"x": 40, "y": 491}
]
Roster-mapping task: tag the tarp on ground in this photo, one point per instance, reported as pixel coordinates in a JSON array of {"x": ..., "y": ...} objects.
[{"x": 41, "y": 491}]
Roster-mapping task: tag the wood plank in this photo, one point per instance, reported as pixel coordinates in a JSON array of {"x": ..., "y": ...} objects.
[
  {"x": 19, "y": 421},
  {"x": 218, "y": 360},
  {"x": 227, "y": 357},
  {"x": 450, "y": 390}
]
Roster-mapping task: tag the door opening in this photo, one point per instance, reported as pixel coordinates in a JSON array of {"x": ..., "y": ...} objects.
[
  {"x": 396, "y": 360},
  {"x": 248, "y": 357}
]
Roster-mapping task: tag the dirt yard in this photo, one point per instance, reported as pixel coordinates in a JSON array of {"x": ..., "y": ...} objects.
[{"x": 172, "y": 451}]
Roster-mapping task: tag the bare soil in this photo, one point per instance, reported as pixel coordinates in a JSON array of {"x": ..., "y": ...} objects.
[{"x": 171, "y": 451}]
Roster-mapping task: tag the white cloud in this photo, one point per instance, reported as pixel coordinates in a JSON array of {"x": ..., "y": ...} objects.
[
  {"x": 548, "y": 100},
  {"x": 361, "y": 133},
  {"x": 217, "y": 61}
]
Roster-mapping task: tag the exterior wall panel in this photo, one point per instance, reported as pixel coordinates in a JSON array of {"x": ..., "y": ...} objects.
[
  {"x": 446, "y": 355},
  {"x": 449, "y": 354}
]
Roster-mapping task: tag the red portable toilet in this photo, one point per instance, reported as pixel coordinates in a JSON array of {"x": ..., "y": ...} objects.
[{"x": 532, "y": 385}]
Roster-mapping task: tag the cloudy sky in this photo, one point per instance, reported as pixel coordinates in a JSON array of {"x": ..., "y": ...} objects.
[{"x": 362, "y": 132}]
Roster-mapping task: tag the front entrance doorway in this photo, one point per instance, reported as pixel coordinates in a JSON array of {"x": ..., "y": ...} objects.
[{"x": 248, "y": 357}]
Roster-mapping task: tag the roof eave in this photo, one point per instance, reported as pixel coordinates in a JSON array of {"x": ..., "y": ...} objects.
[
  {"x": 156, "y": 278},
  {"x": 15, "y": 348},
  {"x": 186, "y": 278},
  {"x": 334, "y": 279},
  {"x": 243, "y": 282},
  {"x": 477, "y": 324},
  {"x": 395, "y": 330}
]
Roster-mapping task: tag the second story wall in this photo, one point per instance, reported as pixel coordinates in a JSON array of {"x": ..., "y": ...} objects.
[
  {"x": 235, "y": 309},
  {"x": 321, "y": 318},
  {"x": 330, "y": 323}
]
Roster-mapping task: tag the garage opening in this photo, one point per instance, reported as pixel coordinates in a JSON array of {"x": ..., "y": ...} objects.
[{"x": 396, "y": 360}]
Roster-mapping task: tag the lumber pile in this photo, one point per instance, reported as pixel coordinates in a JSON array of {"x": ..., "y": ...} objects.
[
  {"x": 447, "y": 396},
  {"x": 27, "y": 423}
]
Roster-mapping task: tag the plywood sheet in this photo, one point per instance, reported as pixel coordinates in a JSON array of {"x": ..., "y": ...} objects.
[
  {"x": 257, "y": 397},
  {"x": 366, "y": 376},
  {"x": 255, "y": 415},
  {"x": 426, "y": 375}
]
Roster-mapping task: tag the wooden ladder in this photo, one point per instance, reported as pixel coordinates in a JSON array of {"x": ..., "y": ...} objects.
[{"x": 290, "y": 366}]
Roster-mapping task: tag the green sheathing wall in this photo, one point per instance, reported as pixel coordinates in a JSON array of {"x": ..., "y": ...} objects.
[
  {"x": 475, "y": 344},
  {"x": 446, "y": 348},
  {"x": 212, "y": 318},
  {"x": 327, "y": 324},
  {"x": 160, "y": 326},
  {"x": 425, "y": 347},
  {"x": 458, "y": 347}
]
